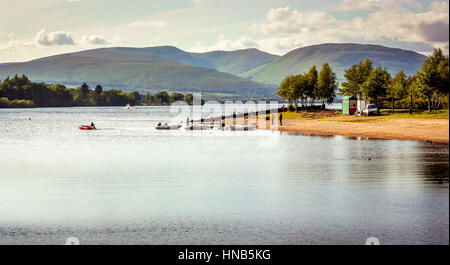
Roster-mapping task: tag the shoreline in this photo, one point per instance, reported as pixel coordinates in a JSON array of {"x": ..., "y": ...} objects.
[
  {"x": 434, "y": 130},
  {"x": 373, "y": 127}
]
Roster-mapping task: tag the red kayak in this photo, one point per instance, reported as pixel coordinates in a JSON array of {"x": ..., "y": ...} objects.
[{"x": 84, "y": 127}]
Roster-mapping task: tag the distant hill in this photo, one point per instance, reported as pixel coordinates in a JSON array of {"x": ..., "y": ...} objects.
[
  {"x": 145, "y": 70},
  {"x": 340, "y": 57},
  {"x": 233, "y": 62},
  {"x": 238, "y": 62},
  {"x": 242, "y": 73}
]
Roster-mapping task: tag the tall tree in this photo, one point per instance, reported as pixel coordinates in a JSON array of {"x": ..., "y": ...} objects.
[
  {"x": 98, "y": 89},
  {"x": 355, "y": 77},
  {"x": 149, "y": 98},
  {"x": 135, "y": 97},
  {"x": 376, "y": 85},
  {"x": 301, "y": 84},
  {"x": 443, "y": 70},
  {"x": 162, "y": 97},
  {"x": 397, "y": 89},
  {"x": 411, "y": 87},
  {"x": 174, "y": 97},
  {"x": 189, "y": 98},
  {"x": 312, "y": 78},
  {"x": 286, "y": 88},
  {"x": 84, "y": 88},
  {"x": 434, "y": 77},
  {"x": 326, "y": 85}
]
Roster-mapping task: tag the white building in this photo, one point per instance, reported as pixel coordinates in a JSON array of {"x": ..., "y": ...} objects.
[{"x": 362, "y": 105}]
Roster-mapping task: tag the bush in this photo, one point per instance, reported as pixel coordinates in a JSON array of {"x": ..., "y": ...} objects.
[
  {"x": 4, "y": 103},
  {"x": 418, "y": 103},
  {"x": 20, "y": 92},
  {"x": 17, "y": 103},
  {"x": 22, "y": 103},
  {"x": 291, "y": 107}
]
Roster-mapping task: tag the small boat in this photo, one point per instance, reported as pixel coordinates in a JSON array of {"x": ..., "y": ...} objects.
[
  {"x": 168, "y": 127},
  {"x": 85, "y": 127}
]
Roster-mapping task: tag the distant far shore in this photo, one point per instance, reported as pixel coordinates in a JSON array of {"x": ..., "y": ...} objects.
[{"x": 399, "y": 127}]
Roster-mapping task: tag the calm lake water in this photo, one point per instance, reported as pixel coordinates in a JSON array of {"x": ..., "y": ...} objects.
[{"x": 130, "y": 184}]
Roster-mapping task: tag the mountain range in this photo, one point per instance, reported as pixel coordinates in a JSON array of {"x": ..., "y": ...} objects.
[{"x": 241, "y": 73}]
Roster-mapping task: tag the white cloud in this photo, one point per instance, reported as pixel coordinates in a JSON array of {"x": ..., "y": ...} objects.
[
  {"x": 287, "y": 29},
  {"x": 429, "y": 27},
  {"x": 199, "y": 2},
  {"x": 53, "y": 38},
  {"x": 224, "y": 44},
  {"x": 117, "y": 40},
  {"x": 274, "y": 45},
  {"x": 374, "y": 5},
  {"x": 281, "y": 45},
  {"x": 353, "y": 5},
  {"x": 94, "y": 40},
  {"x": 148, "y": 23},
  {"x": 285, "y": 20},
  {"x": 14, "y": 43}
]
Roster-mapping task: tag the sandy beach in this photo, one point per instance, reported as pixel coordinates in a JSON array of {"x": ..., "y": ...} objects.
[
  {"x": 377, "y": 127},
  {"x": 436, "y": 130}
]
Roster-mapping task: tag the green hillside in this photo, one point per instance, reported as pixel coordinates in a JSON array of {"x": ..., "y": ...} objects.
[
  {"x": 233, "y": 62},
  {"x": 340, "y": 57},
  {"x": 142, "y": 73},
  {"x": 242, "y": 73},
  {"x": 238, "y": 62}
]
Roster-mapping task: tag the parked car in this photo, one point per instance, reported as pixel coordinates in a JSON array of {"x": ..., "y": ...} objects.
[{"x": 371, "y": 109}]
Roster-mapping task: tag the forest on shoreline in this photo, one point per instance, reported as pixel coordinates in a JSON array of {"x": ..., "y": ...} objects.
[
  {"x": 428, "y": 88},
  {"x": 20, "y": 92}
]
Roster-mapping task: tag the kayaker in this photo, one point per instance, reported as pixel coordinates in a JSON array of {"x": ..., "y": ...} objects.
[{"x": 93, "y": 126}]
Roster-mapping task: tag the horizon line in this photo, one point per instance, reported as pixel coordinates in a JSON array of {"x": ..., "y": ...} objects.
[{"x": 254, "y": 48}]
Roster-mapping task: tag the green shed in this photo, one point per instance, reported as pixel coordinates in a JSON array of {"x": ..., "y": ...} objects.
[{"x": 349, "y": 105}]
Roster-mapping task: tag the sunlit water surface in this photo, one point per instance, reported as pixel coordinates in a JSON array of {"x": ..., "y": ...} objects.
[{"x": 128, "y": 183}]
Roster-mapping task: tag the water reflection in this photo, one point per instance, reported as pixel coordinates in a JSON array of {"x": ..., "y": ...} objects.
[{"x": 131, "y": 183}]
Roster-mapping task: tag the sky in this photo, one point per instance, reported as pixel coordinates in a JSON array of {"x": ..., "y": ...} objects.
[{"x": 31, "y": 29}]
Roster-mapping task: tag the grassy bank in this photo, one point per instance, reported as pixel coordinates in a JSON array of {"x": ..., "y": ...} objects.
[{"x": 385, "y": 114}]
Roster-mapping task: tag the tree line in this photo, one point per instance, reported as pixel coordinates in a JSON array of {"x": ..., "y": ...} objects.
[
  {"x": 19, "y": 91},
  {"x": 429, "y": 85},
  {"x": 428, "y": 88},
  {"x": 308, "y": 87},
  {"x": 164, "y": 98}
]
